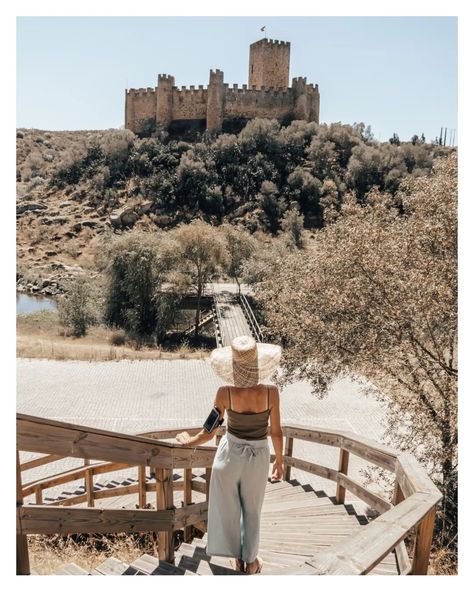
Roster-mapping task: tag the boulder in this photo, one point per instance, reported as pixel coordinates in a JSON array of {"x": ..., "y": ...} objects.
[
  {"x": 89, "y": 223},
  {"x": 145, "y": 207},
  {"x": 128, "y": 216},
  {"x": 29, "y": 207}
]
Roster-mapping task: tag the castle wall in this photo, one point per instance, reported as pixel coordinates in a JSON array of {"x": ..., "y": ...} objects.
[
  {"x": 247, "y": 103},
  {"x": 189, "y": 103},
  {"x": 140, "y": 107}
]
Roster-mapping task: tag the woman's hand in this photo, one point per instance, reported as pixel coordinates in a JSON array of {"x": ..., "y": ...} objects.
[
  {"x": 183, "y": 438},
  {"x": 277, "y": 471}
]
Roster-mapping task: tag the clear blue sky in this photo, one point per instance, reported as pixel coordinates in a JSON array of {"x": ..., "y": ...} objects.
[{"x": 398, "y": 74}]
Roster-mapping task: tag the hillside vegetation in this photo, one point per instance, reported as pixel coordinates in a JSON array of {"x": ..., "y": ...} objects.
[{"x": 77, "y": 188}]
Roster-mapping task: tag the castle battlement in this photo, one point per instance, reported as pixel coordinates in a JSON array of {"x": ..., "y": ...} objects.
[
  {"x": 137, "y": 91},
  {"x": 272, "y": 42},
  {"x": 267, "y": 94}
]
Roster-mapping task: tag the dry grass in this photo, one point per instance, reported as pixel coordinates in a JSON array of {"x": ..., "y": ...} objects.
[
  {"x": 39, "y": 335},
  {"x": 443, "y": 562},
  {"x": 49, "y": 552}
]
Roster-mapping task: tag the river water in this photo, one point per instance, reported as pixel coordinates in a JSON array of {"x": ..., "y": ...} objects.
[{"x": 27, "y": 303}]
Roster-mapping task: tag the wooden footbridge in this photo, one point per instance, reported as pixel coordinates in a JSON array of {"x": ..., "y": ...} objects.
[
  {"x": 233, "y": 316},
  {"x": 303, "y": 531}
]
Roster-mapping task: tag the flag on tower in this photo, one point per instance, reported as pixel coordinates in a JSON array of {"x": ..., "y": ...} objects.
[{"x": 262, "y": 29}]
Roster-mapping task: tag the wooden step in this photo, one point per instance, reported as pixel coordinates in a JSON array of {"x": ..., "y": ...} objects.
[
  {"x": 110, "y": 567},
  {"x": 153, "y": 566},
  {"x": 71, "y": 569}
]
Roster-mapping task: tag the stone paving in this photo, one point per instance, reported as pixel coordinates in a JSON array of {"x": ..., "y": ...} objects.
[{"x": 139, "y": 396}]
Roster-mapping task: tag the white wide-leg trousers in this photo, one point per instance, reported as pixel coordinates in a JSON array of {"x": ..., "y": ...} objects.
[{"x": 237, "y": 488}]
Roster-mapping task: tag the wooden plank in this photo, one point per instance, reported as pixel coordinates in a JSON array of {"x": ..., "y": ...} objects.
[
  {"x": 401, "y": 553},
  {"x": 424, "y": 538},
  {"x": 343, "y": 468},
  {"x": 413, "y": 478},
  {"x": 288, "y": 451},
  {"x": 302, "y": 432},
  {"x": 192, "y": 514},
  {"x": 71, "y": 569},
  {"x": 38, "y": 495},
  {"x": 380, "y": 455},
  {"x": 164, "y": 501},
  {"x": 312, "y": 468},
  {"x": 22, "y": 557},
  {"x": 361, "y": 552},
  {"x": 110, "y": 567},
  {"x": 59, "y": 520},
  {"x": 38, "y": 462},
  {"x": 36, "y": 434},
  {"x": 374, "y": 500},
  {"x": 141, "y": 486},
  {"x": 187, "y": 498},
  {"x": 89, "y": 479}
]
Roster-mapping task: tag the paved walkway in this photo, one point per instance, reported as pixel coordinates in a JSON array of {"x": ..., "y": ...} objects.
[{"x": 145, "y": 395}]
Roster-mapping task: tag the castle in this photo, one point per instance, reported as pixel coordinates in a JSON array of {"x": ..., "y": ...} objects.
[{"x": 220, "y": 107}]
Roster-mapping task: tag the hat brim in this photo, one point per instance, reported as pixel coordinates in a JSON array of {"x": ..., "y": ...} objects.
[{"x": 268, "y": 359}]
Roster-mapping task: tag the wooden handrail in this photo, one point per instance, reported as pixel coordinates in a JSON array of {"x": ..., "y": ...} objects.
[{"x": 413, "y": 503}]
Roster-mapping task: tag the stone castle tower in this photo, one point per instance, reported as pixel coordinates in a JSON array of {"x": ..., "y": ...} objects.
[{"x": 219, "y": 107}]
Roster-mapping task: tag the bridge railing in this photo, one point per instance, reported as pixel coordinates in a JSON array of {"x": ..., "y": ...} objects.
[
  {"x": 255, "y": 327},
  {"x": 413, "y": 505}
]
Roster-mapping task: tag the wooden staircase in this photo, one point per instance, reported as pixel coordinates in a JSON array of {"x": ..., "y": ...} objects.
[{"x": 296, "y": 523}]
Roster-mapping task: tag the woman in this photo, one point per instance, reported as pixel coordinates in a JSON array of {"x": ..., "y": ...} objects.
[{"x": 240, "y": 468}]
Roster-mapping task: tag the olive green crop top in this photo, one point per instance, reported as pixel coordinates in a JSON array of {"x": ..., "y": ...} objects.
[{"x": 249, "y": 426}]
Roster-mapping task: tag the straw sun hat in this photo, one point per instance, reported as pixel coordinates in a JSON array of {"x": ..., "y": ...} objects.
[{"x": 245, "y": 363}]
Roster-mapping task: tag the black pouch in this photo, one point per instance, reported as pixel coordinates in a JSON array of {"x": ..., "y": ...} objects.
[{"x": 212, "y": 420}]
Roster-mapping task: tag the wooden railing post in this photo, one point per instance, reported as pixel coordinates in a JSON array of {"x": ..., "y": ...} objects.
[
  {"x": 188, "y": 498},
  {"x": 343, "y": 468},
  {"x": 208, "y": 486},
  {"x": 141, "y": 486},
  {"x": 22, "y": 557},
  {"x": 424, "y": 536},
  {"x": 89, "y": 479},
  {"x": 87, "y": 462},
  {"x": 38, "y": 495},
  {"x": 288, "y": 452},
  {"x": 164, "y": 501}
]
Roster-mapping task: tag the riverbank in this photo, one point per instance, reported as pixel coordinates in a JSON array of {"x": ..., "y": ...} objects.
[{"x": 39, "y": 335}]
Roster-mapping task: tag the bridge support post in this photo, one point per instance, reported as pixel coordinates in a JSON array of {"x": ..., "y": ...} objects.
[
  {"x": 22, "y": 557},
  {"x": 288, "y": 452},
  {"x": 424, "y": 536},
  {"x": 343, "y": 468},
  {"x": 164, "y": 501}
]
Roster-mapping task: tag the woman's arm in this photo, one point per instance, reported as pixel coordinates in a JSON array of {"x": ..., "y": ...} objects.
[
  {"x": 202, "y": 437},
  {"x": 276, "y": 432}
]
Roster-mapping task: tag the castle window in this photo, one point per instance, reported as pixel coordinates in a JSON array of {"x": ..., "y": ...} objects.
[{"x": 252, "y": 68}]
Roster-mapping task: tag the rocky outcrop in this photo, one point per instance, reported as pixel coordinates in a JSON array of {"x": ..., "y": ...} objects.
[
  {"x": 29, "y": 207},
  {"x": 128, "y": 215}
]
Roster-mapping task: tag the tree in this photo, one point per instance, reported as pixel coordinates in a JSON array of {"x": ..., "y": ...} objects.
[
  {"x": 199, "y": 253},
  {"x": 76, "y": 308},
  {"x": 395, "y": 140},
  {"x": 135, "y": 272},
  {"x": 292, "y": 226},
  {"x": 240, "y": 247},
  {"x": 271, "y": 205},
  {"x": 377, "y": 297}
]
